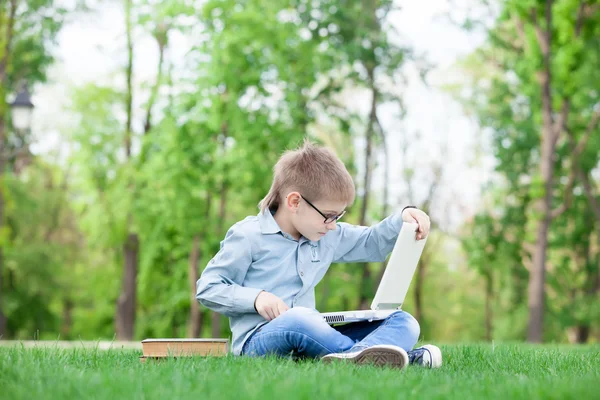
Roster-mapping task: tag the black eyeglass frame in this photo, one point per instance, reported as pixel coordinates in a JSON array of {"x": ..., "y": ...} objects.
[{"x": 327, "y": 219}]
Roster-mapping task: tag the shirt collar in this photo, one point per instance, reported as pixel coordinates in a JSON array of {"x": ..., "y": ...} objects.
[{"x": 268, "y": 225}]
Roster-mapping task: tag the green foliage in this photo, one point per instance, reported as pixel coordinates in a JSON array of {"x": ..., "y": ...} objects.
[
  {"x": 41, "y": 241},
  {"x": 34, "y": 33}
]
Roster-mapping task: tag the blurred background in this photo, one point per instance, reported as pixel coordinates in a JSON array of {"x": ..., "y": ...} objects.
[{"x": 134, "y": 133}]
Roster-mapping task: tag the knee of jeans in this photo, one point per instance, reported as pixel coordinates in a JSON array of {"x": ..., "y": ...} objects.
[
  {"x": 302, "y": 313},
  {"x": 409, "y": 322},
  {"x": 306, "y": 317}
]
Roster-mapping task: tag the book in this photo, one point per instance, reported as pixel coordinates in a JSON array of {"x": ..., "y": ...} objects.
[{"x": 184, "y": 347}]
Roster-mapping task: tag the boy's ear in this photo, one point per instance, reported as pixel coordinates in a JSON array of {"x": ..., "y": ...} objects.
[{"x": 292, "y": 201}]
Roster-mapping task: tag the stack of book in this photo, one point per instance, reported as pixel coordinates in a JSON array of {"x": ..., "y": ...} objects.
[{"x": 158, "y": 349}]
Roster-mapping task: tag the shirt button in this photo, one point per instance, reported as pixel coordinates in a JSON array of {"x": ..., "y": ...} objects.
[{"x": 301, "y": 273}]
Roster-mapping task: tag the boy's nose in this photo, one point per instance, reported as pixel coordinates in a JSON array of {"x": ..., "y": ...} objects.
[{"x": 331, "y": 226}]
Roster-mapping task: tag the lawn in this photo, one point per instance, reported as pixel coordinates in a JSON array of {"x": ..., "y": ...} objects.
[{"x": 473, "y": 371}]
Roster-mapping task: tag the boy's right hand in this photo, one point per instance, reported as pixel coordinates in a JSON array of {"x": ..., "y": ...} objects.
[{"x": 269, "y": 306}]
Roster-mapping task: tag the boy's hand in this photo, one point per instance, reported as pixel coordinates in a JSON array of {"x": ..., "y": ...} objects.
[
  {"x": 269, "y": 306},
  {"x": 419, "y": 217}
]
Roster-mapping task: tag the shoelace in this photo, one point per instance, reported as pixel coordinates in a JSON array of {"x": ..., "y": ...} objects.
[{"x": 418, "y": 354}]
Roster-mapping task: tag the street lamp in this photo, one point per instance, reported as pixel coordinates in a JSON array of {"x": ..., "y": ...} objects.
[{"x": 22, "y": 109}]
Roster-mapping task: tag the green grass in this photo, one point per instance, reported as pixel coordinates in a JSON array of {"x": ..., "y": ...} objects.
[{"x": 469, "y": 372}]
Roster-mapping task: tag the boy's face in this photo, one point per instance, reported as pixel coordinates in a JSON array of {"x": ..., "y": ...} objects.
[{"x": 313, "y": 219}]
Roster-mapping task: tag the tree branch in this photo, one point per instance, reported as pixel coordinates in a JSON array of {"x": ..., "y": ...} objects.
[
  {"x": 129, "y": 78},
  {"x": 542, "y": 36},
  {"x": 589, "y": 192},
  {"x": 520, "y": 27},
  {"x": 506, "y": 43},
  {"x": 576, "y": 151},
  {"x": 579, "y": 20},
  {"x": 527, "y": 262},
  {"x": 568, "y": 195},
  {"x": 588, "y": 132},
  {"x": 161, "y": 39},
  {"x": 560, "y": 123},
  {"x": 437, "y": 172},
  {"x": 545, "y": 75},
  {"x": 529, "y": 247},
  {"x": 8, "y": 155},
  {"x": 569, "y": 187},
  {"x": 591, "y": 10}
]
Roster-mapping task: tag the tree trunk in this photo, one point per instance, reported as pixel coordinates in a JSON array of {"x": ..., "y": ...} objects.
[
  {"x": 596, "y": 291},
  {"x": 67, "y": 319},
  {"x": 594, "y": 288},
  {"x": 582, "y": 333},
  {"x": 195, "y": 325},
  {"x": 537, "y": 275},
  {"x": 597, "y": 288},
  {"x": 542, "y": 207},
  {"x": 5, "y": 56},
  {"x": 2, "y": 316},
  {"x": 125, "y": 318},
  {"x": 127, "y": 300}
]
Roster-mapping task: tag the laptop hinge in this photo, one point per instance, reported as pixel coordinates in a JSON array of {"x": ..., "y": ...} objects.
[{"x": 388, "y": 306}]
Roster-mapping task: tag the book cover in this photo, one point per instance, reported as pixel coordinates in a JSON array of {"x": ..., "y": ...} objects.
[{"x": 184, "y": 347}]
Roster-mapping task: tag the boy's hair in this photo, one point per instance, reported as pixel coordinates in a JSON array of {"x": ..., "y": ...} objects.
[{"x": 313, "y": 171}]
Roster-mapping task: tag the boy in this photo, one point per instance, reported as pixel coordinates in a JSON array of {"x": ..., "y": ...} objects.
[{"x": 264, "y": 275}]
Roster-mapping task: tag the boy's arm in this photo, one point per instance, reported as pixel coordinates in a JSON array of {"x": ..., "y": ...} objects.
[
  {"x": 219, "y": 288},
  {"x": 363, "y": 244}
]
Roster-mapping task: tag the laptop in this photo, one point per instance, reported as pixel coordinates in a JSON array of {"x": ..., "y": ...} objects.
[{"x": 394, "y": 283}]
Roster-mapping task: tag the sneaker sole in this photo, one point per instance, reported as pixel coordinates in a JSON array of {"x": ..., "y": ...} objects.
[
  {"x": 376, "y": 355},
  {"x": 436, "y": 355}
]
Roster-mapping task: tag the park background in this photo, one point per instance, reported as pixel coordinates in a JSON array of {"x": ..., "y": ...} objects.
[{"x": 156, "y": 126}]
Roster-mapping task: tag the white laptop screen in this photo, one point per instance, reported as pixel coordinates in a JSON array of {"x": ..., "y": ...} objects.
[{"x": 400, "y": 269}]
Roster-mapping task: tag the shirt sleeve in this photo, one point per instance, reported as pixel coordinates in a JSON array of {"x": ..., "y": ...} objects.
[
  {"x": 220, "y": 285},
  {"x": 367, "y": 244}
]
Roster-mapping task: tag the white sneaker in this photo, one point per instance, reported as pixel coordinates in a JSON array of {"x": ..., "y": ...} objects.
[
  {"x": 428, "y": 356},
  {"x": 380, "y": 355}
]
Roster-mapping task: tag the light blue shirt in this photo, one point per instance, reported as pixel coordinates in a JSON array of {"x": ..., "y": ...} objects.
[{"x": 256, "y": 255}]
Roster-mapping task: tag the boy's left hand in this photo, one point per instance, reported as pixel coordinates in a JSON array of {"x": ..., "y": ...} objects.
[{"x": 417, "y": 216}]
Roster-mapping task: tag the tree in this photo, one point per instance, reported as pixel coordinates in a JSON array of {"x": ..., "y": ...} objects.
[
  {"x": 540, "y": 57},
  {"x": 26, "y": 36}
]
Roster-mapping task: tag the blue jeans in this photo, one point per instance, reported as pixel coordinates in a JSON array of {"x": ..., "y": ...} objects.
[{"x": 302, "y": 332}]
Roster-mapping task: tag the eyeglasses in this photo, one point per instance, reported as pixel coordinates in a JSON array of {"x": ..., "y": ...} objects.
[{"x": 328, "y": 218}]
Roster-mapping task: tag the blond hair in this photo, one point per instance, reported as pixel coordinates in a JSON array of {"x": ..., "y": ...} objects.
[{"x": 314, "y": 171}]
